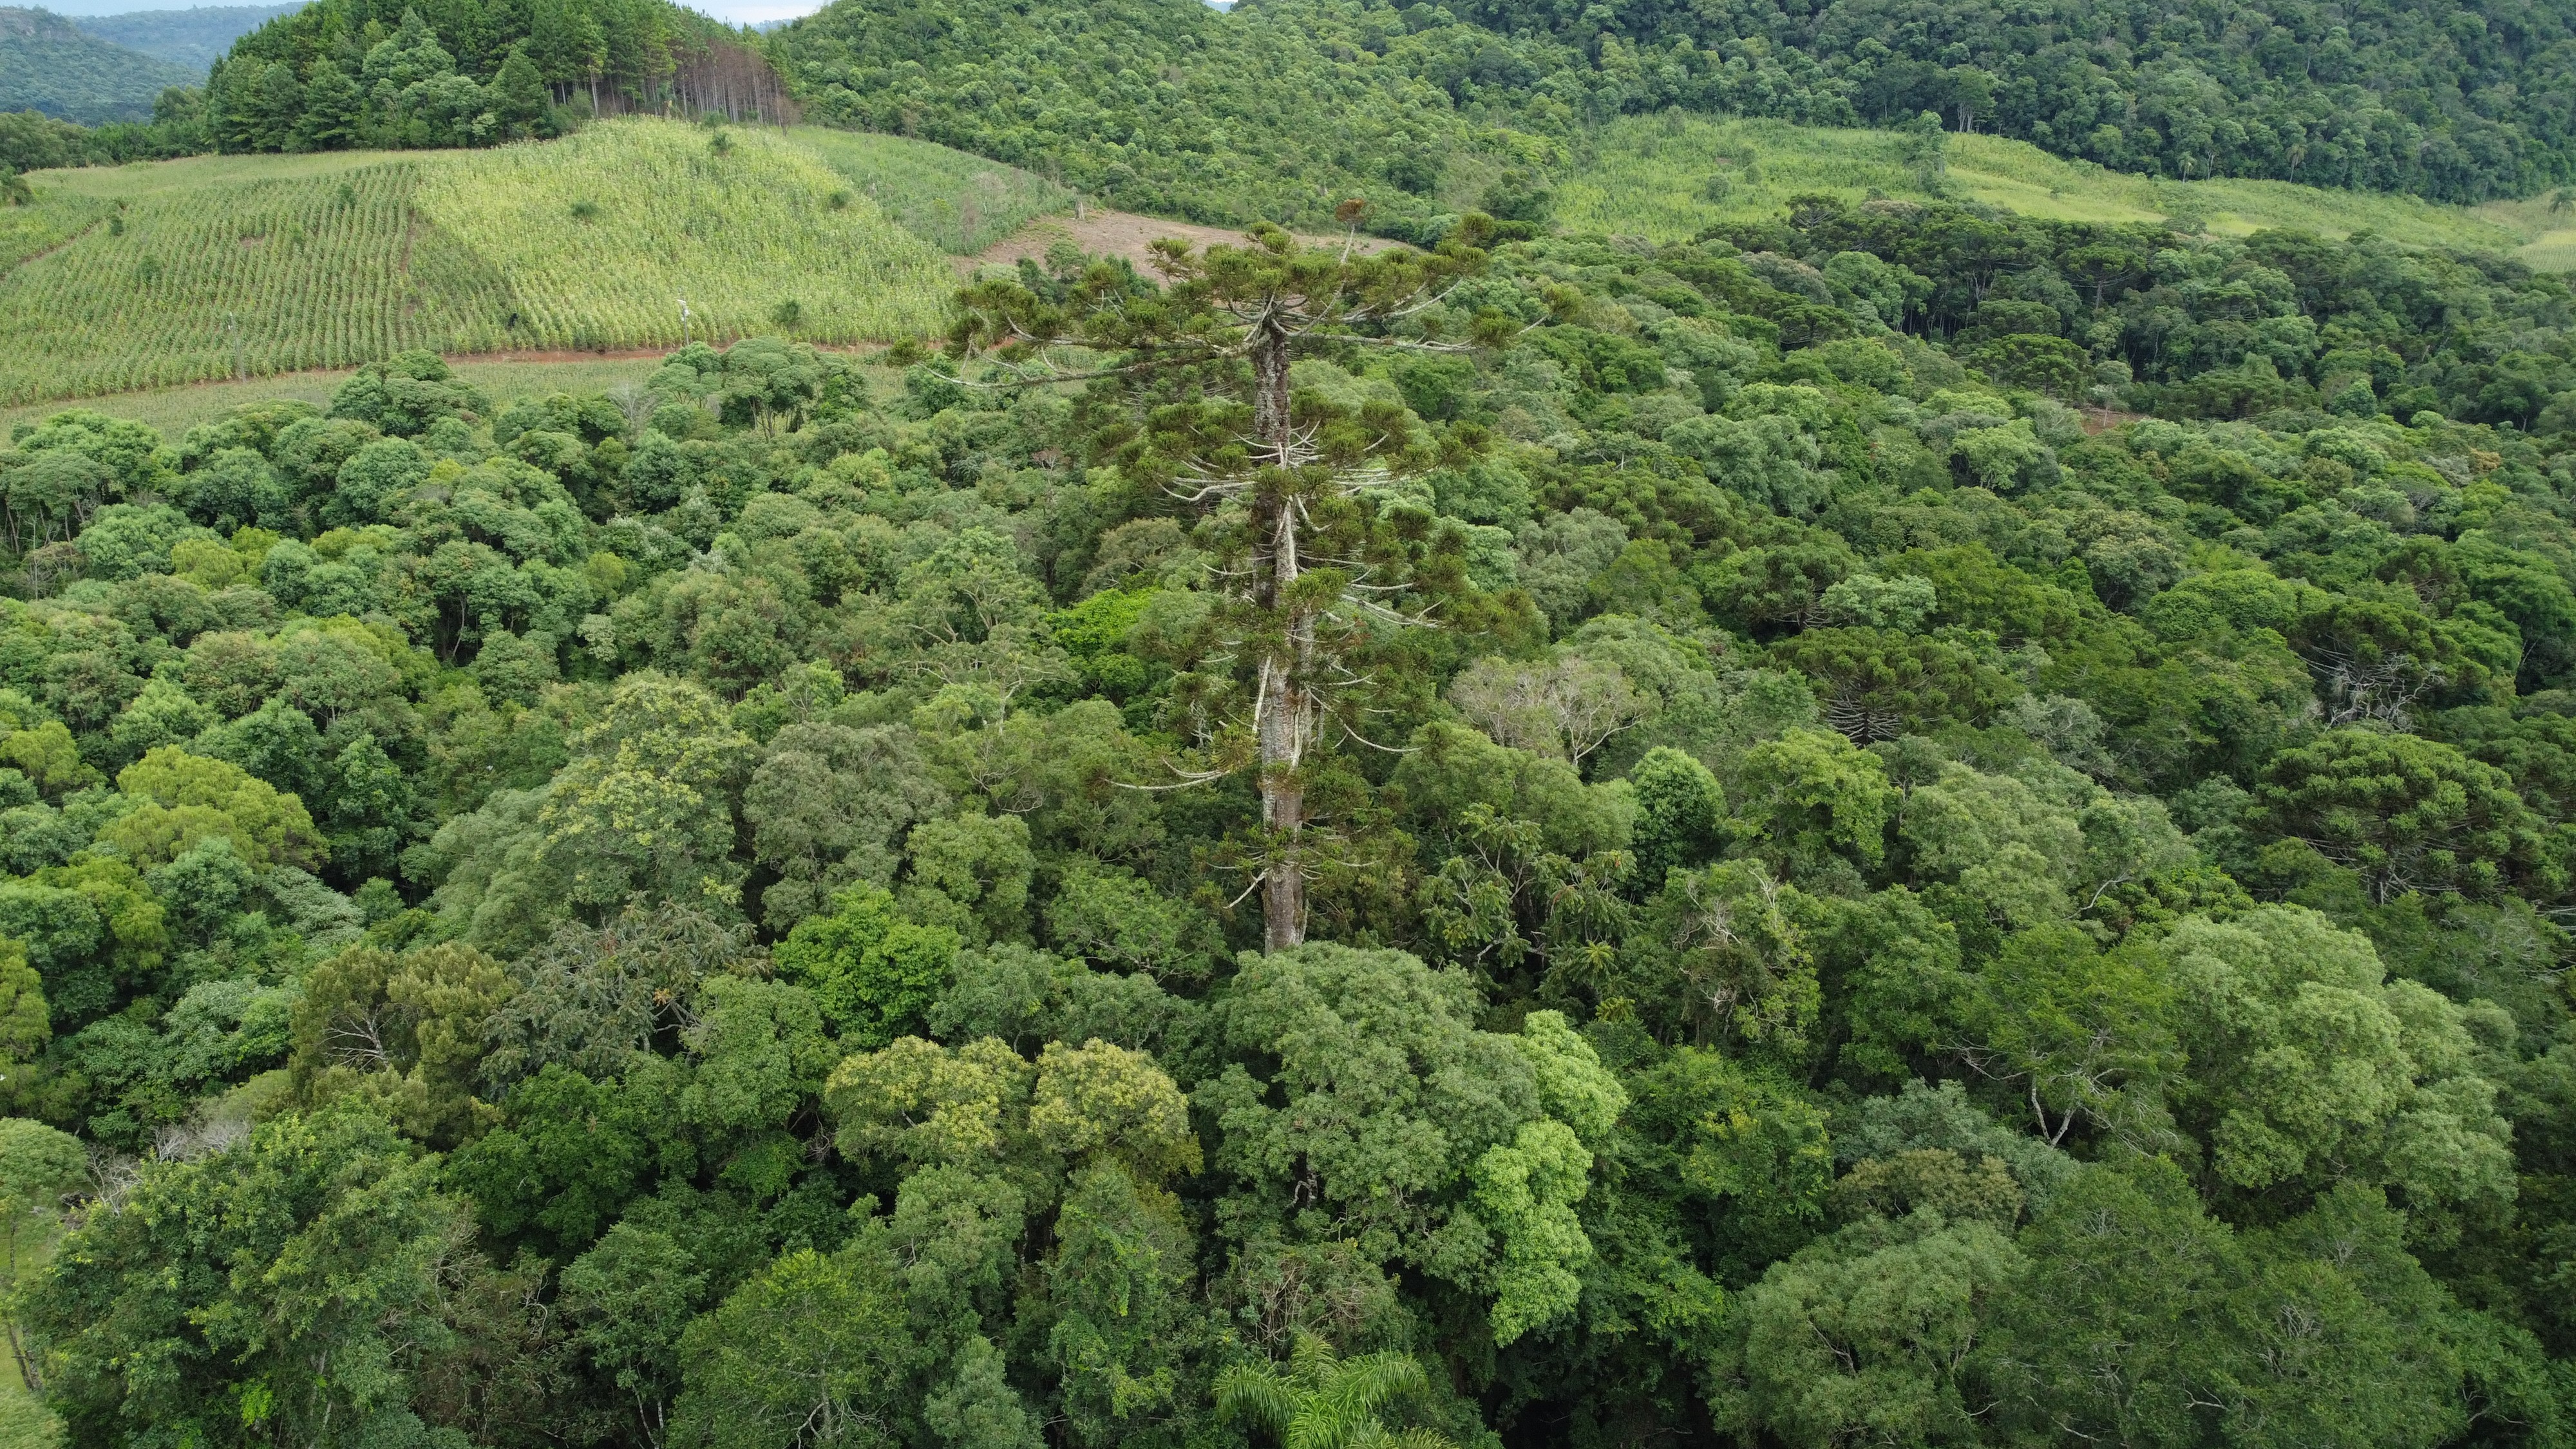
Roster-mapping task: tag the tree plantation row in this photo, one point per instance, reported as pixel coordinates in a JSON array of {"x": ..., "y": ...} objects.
[{"x": 1542, "y": 841}]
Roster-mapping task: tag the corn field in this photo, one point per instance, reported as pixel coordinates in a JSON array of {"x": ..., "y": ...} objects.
[
  {"x": 600, "y": 236},
  {"x": 588, "y": 242}
]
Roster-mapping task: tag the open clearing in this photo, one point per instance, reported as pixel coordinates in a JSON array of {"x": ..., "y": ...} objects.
[
  {"x": 174, "y": 410},
  {"x": 1125, "y": 234},
  {"x": 1666, "y": 178},
  {"x": 140, "y": 277}
]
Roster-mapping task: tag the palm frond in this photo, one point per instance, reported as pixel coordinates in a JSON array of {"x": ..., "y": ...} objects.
[
  {"x": 1256, "y": 1396},
  {"x": 1377, "y": 1378}
]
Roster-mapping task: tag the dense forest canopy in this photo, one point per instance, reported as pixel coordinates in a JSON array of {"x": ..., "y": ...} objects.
[
  {"x": 2457, "y": 101},
  {"x": 1265, "y": 110},
  {"x": 1846, "y": 898},
  {"x": 1278, "y": 108}
]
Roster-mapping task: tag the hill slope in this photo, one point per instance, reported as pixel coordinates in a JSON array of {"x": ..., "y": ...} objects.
[
  {"x": 953, "y": 200},
  {"x": 1669, "y": 178},
  {"x": 2461, "y": 100},
  {"x": 48, "y": 65},
  {"x": 211, "y": 266},
  {"x": 1167, "y": 104},
  {"x": 1162, "y": 106},
  {"x": 195, "y": 38}
]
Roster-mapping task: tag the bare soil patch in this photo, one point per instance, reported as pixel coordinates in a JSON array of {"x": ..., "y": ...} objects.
[{"x": 1124, "y": 234}]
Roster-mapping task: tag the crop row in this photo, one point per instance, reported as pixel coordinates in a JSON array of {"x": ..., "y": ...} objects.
[
  {"x": 601, "y": 236},
  {"x": 267, "y": 276},
  {"x": 589, "y": 242}
]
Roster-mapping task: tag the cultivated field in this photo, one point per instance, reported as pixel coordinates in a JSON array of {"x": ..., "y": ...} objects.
[
  {"x": 153, "y": 275},
  {"x": 155, "y": 278}
]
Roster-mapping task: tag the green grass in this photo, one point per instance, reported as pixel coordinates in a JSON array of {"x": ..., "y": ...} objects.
[
  {"x": 56, "y": 216},
  {"x": 1647, "y": 176},
  {"x": 174, "y": 410},
  {"x": 957, "y": 202},
  {"x": 189, "y": 282},
  {"x": 737, "y": 233},
  {"x": 139, "y": 179},
  {"x": 150, "y": 276},
  {"x": 24, "y": 1422}
]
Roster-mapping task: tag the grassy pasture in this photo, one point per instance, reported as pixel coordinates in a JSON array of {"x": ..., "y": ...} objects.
[
  {"x": 174, "y": 410},
  {"x": 1651, "y": 176},
  {"x": 956, "y": 202}
]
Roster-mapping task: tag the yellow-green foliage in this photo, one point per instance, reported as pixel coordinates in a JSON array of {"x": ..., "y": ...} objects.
[
  {"x": 667, "y": 214},
  {"x": 1649, "y": 176},
  {"x": 57, "y": 214},
  {"x": 955, "y": 201},
  {"x": 189, "y": 270}
]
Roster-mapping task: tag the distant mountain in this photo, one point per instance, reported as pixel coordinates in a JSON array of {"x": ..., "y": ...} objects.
[
  {"x": 194, "y": 38},
  {"x": 48, "y": 65}
]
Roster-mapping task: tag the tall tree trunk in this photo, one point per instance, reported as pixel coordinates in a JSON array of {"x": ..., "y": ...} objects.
[{"x": 1281, "y": 705}]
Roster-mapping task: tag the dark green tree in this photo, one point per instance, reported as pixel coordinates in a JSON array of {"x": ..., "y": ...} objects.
[{"x": 1283, "y": 472}]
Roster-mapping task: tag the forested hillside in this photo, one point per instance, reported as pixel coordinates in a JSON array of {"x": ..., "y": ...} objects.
[
  {"x": 47, "y": 65},
  {"x": 198, "y": 36},
  {"x": 2458, "y": 101},
  {"x": 1275, "y": 108},
  {"x": 1547, "y": 842},
  {"x": 369, "y": 73}
]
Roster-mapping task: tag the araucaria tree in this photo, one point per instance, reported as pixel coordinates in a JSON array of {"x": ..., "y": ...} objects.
[{"x": 1195, "y": 379}]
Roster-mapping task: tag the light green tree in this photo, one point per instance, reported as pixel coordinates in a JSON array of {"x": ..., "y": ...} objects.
[
  {"x": 2080, "y": 1033},
  {"x": 1811, "y": 796},
  {"x": 1423, "y": 1139},
  {"x": 873, "y": 972},
  {"x": 646, "y": 803},
  {"x": 40, "y": 1169},
  {"x": 296, "y": 1284},
  {"x": 812, "y": 1352},
  {"x": 629, "y": 1300},
  {"x": 2308, "y": 1067},
  {"x": 407, "y": 1031},
  {"x": 1866, "y": 1336}
]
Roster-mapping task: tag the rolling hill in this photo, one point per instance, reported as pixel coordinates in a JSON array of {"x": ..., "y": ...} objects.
[
  {"x": 195, "y": 38},
  {"x": 49, "y": 65},
  {"x": 169, "y": 273},
  {"x": 1667, "y": 178},
  {"x": 956, "y": 202},
  {"x": 1270, "y": 107},
  {"x": 150, "y": 275}
]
